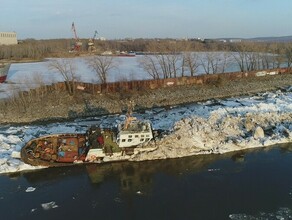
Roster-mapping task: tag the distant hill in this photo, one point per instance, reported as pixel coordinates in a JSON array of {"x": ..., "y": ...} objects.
[
  {"x": 272, "y": 39},
  {"x": 256, "y": 39}
]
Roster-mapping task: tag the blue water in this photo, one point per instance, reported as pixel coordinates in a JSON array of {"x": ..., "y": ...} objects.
[{"x": 244, "y": 185}]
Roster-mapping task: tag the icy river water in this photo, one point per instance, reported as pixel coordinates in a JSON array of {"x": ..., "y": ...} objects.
[{"x": 254, "y": 184}]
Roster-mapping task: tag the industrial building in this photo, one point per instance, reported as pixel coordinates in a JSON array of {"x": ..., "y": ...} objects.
[{"x": 8, "y": 38}]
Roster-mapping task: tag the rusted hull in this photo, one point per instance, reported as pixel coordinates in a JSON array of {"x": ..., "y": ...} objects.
[{"x": 55, "y": 150}]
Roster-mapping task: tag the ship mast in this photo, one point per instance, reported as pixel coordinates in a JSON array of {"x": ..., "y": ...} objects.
[{"x": 129, "y": 117}]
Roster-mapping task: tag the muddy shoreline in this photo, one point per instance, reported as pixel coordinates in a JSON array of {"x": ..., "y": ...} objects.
[{"x": 62, "y": 107}]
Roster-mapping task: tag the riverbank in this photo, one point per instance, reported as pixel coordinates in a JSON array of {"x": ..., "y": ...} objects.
[
  {"x": 212, "y": 127},
  {"x": 60, "y": 106},
  {"x": 235, "y": 124}
]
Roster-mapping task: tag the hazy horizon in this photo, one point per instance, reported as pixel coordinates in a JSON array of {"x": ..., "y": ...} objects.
[{"x": 147, "y": 19}]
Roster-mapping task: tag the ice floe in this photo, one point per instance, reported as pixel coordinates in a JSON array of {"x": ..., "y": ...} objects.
[
  {"x": 282, "y": 213},
  {"x": 30, "y": 189},
  {"x": 49, "y": 205}
]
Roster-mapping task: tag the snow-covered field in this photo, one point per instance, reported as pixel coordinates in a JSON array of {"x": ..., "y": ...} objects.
[{"x": 216, "y": 126}]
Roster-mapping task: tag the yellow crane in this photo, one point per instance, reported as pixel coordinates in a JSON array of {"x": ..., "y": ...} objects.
[{"x": 91, "y": 46}]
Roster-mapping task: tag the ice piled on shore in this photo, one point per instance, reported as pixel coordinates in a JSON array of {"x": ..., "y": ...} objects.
[
  {"x": 216, "y": 126},
  {"x": 264, "y": 122},
  {"x": 222, "y": 133}
]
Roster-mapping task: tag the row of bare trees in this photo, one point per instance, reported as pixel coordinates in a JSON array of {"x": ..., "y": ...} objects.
[
  {"x": 242, "y": 56},
  {"x": 170, "y": 59},
  {"x": 101, "y": 65},
  {"x": 255, "y": 54},
  {"x": 191, "y": 63},
  {"x": 183, "y": 64},
  {"x": 34, "y": 49},
  {"x": 179, "y": 64},
  {"x": 38, "y": 49}
]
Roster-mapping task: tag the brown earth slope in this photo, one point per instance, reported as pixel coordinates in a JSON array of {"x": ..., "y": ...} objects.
[{"x": 59, "y": 106}]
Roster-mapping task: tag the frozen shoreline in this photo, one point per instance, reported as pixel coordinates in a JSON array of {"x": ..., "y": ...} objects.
[
  {"x": 204, "y": 128},
  {"x": 196, "y": 136}
]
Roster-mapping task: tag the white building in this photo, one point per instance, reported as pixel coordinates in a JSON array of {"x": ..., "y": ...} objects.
[
  {"x": 8, "y": 38},
  {"x": 101, "y": 38},
  {"x": 235, "y": 40}
]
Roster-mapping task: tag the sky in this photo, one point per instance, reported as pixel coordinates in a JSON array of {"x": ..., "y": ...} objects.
[{"x": 116, "y": 19}]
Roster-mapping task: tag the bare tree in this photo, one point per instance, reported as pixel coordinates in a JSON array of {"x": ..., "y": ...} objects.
[
  {"x": 279, "y": 56},
  {"x": 215, "y": 62},
  {"x": 190, "y": 61},
  {"x": 254, "y": 61},
  {"x": 102, "y": 65},
  {"x": 288, "y": 55},
  {"x": 244, "y": 56},
  {"x": 68, "y": 71},
  {"x": 166, "y": 60},
  {"x": 267, "y": 60},
  {"x": 249, "y": 56},
  {"x": 240, "y": 56},
  {"x": 174, "y": 64},
  {"x": 162, "y": 65},
  {"x": 150, "y": 65},
  {"x": 167, "y": 64}
]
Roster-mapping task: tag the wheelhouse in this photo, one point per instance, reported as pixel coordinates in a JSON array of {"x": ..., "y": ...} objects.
[{"x": 135, "y": 133}]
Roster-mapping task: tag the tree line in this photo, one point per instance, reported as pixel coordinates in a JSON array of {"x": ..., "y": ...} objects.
[{"x": 39, "y": 49}]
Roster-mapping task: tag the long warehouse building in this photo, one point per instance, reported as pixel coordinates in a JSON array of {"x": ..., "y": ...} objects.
[{"x": 8, "y": 38}]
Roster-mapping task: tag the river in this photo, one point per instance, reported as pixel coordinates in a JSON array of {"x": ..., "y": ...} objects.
[{"x": 254, "y": 184}]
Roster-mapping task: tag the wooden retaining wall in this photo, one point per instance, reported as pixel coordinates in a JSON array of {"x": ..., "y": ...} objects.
[{"x": 139, "y": 85}]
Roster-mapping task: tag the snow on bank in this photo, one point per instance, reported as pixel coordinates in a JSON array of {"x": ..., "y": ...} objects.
[
  {"x": 216, "y": 126},
  {"x": 222, "y": 133},
  {"x": 229, "y": 128}
]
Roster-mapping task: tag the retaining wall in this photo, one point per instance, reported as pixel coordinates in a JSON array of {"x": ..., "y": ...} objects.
[{"x": 139, "y": 85}]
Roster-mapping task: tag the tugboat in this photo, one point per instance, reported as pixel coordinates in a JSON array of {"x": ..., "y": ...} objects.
[{"x": 90, "y": 147}]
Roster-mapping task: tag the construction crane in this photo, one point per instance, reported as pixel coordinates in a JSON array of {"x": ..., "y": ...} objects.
[
  {"x": 95, "y": 34},
  {"x": 91, "y": 47},
  {"x": 78, "y": 44}
]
